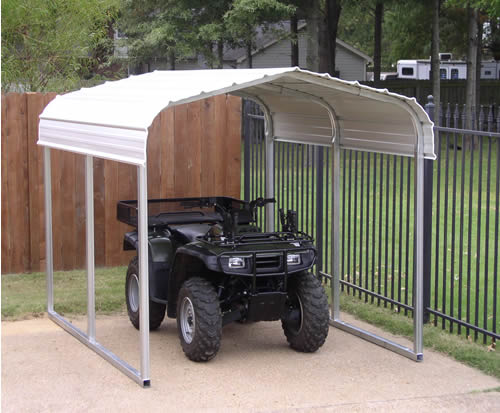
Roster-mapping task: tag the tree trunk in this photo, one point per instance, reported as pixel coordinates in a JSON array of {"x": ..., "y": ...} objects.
[
  {"x": 333, "y": 10},
  {"x": 171, "y": 60},
  {"x": 249, "y": 54},
  {"x": 295, "y": 40},
  {"x": 220, "y": 54},
  {"x": 377, "y": 47},
  {"x": 478, "y": 60},
  {"x": 470, "y": 88},
  {"x": 436, "y": 78},
  {"x": 313, "y": 18}
]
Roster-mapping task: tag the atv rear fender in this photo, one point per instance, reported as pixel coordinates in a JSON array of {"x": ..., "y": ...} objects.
[{"x": 160, "y": 258}]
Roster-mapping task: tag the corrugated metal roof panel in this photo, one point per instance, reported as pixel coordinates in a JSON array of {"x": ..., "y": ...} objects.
[{"x": 112, "y": 120}]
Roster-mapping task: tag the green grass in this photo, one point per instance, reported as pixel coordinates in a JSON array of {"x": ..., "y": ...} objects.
[
  {"x": 25, "y": 296},
  {"x": 457, "y": 347},
  {"x": 450, "y": 289}
]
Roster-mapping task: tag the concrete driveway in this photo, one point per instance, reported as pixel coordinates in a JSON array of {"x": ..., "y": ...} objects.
[{"x": 44, "y": 369}]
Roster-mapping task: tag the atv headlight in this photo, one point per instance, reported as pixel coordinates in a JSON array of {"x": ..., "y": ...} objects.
[
  {"x": 236, "y": 262},
  {"x": 293, "y": 259}
]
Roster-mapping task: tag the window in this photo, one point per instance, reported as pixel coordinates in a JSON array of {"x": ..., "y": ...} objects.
[
  {"x": 454, "y": 74},
  {"x": 442, "y": 74},
  {"x": 487, "y": 72},
  {"x": 407, "y": 71}
]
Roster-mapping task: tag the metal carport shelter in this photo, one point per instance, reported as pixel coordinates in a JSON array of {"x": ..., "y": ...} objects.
[{"x": 111, "y": 121}]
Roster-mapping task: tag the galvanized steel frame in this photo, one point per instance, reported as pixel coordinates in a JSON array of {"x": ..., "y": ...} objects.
[
  {"x": 417, "y": 352},
  {"x": 141, "y": 376}
]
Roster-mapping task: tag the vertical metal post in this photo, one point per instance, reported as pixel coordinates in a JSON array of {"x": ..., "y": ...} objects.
[
  {"x": 142, "y": 191},
  {"x": 428, "y": 183},
  {"x": 418, "y": 292},
  {"x": 246, "y": 148},
  {"x": 336, "y": 231},
  {"x": 89, "y": 209},
  {"x": 49, "y": 263},
  {"x": 319, "y": 208},
  {"x": 269, "y": 171}
]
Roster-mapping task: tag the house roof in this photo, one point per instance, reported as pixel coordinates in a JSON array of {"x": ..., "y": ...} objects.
[
  {"x": 111, "y": 121},
  {"x": 265, "y": 40}
]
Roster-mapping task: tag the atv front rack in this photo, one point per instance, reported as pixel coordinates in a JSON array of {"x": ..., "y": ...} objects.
[{"x": 258, "y": 238}]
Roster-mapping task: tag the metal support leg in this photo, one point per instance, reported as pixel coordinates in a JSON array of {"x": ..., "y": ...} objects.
[
  {"x": 142, "y": 190},
  {"x": 418, "y": 313},
  {"x": 89, "y": 209},
  {"x": 49, "y": 263}
]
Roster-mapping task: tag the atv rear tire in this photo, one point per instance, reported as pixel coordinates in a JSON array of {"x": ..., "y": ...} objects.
[
  {"x": 156, "y": 310},
  {"x": 306, "y": 322},
  {"x": 199, "y": 319}
]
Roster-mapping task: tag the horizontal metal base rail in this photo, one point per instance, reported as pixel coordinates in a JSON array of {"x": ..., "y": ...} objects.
[
  {"x": 464, "y": 324},
  {"x": 106, "y": 354},
  {"x": 375, "y": 339}
]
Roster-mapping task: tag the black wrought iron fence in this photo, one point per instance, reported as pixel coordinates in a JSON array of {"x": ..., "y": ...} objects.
[{"x": 377, "y": 216}]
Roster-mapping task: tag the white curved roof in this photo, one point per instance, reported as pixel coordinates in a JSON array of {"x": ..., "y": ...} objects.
[{"x": 111, "y": 121}]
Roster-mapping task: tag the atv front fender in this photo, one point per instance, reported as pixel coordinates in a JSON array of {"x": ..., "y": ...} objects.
[{"x": 189, "y": 261}]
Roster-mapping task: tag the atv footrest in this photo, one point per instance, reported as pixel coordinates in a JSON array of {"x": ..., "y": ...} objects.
[{"x": 266, "y": 306}]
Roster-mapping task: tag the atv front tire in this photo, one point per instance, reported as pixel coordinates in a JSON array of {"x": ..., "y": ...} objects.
[
  {"x": 156, "y": 310},
  {"x": 306, "y": 322},
  {"x": 199, "y": 319}
]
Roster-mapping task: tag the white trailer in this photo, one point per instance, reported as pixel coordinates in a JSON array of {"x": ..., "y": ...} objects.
[{"x": 421, "y": 69}]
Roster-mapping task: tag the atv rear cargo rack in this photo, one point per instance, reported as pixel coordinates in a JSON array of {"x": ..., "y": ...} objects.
[{"x": 178, "y": 211}]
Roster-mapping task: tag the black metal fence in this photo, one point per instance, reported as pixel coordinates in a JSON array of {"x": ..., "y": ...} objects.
[{"x": 377, "y": 215}]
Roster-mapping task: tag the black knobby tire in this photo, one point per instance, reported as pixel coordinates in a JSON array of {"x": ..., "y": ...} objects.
[
  {"x": 306, "y": 324},
  {"x": 156, "y": 310},
  {"x": 199, "y": 319}
]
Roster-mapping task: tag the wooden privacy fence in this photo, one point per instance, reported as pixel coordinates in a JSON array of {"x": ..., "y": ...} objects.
[{"x": 193, "y": 150}]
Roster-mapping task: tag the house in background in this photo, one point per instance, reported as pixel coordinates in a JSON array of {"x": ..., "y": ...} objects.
[
  {"x": 271, "y": 50},
  {"x": 351, "y": 62}
]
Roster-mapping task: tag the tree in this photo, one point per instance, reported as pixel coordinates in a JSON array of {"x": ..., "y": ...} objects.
[
  {"x": 377, "y": 55},
  {"x": 54, "y": 45},
  {"x": 245, "y": 16},
  {"x": 322, "y": 26},
  {"x": 436, "y": 75}
]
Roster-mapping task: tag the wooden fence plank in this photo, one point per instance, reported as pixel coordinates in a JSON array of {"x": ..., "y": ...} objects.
[
  {"x": 99, "y": 212},
  {"x": 6, "y": 230},
  {"x": 167, "y": 173},
  {"x": 181, "y": 150},
  {"x": 194, "y": 152},
  {"x": 16, "y": 244},
  {"x": 208, "y": 147},
  {"x": 154, "y": 159},
  {"x": 220, "y": 153},
  {"x": 233, "y": 139}
]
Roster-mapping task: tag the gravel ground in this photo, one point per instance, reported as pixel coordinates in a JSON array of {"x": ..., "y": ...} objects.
[{"x": 44, "y": 369}]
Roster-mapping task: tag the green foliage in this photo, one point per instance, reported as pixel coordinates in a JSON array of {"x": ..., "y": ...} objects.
[
  {"x": 246, "y": 15},
  {"x": 186, "y": 28},
  {"x": 53, "y": 44}
]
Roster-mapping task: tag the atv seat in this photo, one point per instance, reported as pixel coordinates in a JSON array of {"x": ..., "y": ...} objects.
[{"x": 191, "y": 231}]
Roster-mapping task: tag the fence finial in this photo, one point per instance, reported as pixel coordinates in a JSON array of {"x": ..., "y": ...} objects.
[{"x": 429, "y": 107}]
